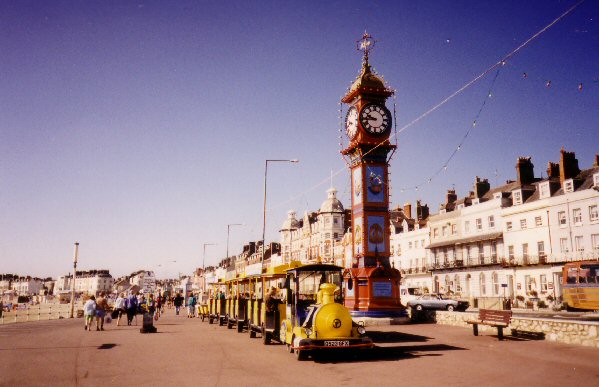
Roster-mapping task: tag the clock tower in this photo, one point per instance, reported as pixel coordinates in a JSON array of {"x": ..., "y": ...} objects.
[{"x": 372, "y": 285}]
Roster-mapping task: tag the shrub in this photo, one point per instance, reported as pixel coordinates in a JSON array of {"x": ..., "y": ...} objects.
[{"x": 541, "y": 304}]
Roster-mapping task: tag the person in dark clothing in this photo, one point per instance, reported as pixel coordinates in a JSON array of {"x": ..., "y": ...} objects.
[
  {"x": 272, "y": 300},
  {"x": 178, "y": 302},
  {"x": 131, "y": 308}
]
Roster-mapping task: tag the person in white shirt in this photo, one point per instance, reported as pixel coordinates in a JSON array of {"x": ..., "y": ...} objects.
[
  {"x": 120, "y": 307},
  {"x": 89, "y": 311}
]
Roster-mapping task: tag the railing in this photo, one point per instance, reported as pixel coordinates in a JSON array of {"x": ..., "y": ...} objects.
[{"x": 25, "y": 313}]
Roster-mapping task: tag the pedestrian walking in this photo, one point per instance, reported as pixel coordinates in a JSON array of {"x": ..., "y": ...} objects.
[
  {"x": 191, "y": 306},
  {"x": 159, "y": 303},
  {"x": 120, "y": 307},
  {"x": 101, "y": 309},
  {"x": 131, "y": 308},
  {"x": 178, "y": 302},
  {"x": 89, "y": 312}
]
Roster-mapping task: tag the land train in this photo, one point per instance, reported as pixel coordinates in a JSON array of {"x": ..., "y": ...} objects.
[
  {"x": 304, "y": 310},
  {"x": 581, "y": 285}
]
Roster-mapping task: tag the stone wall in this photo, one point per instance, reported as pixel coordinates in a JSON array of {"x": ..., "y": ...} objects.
[{"x": 567, "y": 332}]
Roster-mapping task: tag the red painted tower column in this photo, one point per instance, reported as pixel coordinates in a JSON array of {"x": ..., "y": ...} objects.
[{"x": 372, "y": 286}]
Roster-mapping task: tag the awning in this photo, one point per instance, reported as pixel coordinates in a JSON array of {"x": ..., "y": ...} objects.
[{"x": 462, "y": 241}]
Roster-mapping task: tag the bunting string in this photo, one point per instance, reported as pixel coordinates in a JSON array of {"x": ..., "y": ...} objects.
[{"x": 483, "y": 74}]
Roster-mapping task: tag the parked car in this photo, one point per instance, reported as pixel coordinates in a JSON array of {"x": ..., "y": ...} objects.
[
  {"x": 407, "y": 294},
  {"x": 436, "y": 301}
]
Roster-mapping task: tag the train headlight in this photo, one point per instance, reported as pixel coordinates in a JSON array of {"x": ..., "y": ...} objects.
[
  {"x": 308, "y": 331},
  {"x": 361, "y": 330}
]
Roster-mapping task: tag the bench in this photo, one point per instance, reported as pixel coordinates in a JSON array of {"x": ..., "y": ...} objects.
[{"x": 495, "y": 318}]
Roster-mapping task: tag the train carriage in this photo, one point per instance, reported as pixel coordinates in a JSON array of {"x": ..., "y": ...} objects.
[
  {"x": 237, "y": 315},
  {"x": 263, "y": 321},
  {"x": 217, "y": 303}
]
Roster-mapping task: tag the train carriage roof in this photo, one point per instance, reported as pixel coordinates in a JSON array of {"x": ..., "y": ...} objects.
[{"x": 316, "y": 267}]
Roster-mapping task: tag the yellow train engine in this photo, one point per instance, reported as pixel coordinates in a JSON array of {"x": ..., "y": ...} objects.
[{"x": 315, "y": 319}]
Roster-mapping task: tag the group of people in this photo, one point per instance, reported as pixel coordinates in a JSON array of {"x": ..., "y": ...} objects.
[
  {"x": 129, "y": 306},
  {"x": 95, "y": 309}
]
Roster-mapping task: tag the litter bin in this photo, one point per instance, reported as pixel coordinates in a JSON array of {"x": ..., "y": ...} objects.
[{"x": 148, "y": 324}]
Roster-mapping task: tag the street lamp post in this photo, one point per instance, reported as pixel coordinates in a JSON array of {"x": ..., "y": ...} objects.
[
  {"x": 228, "y": 232},
  {"x": 74, "y": 277},
  {"x": 204, "y": 266},
  {"x": 264, "y": 212}
]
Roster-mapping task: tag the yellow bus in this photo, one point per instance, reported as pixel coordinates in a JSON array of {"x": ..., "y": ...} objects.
[{"x": 581, "y": 285}]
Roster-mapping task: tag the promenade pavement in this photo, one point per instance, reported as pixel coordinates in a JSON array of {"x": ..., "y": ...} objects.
[{"x": 188, "y": 352}]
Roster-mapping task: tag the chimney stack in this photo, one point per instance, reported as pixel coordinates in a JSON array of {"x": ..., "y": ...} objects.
[
  {"x": 552, "y": 170},
  {"x": 421, "y": 211},
  {"x": 450, "y": 197},
  {"x": 481, "y": 187},
  {"x": 407, "y": 210},
  {"x": 525, "y": 170},
  {"x": 568, "y": 166}
]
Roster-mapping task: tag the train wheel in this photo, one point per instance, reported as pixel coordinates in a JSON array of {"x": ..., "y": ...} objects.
[
  {"x": 301, "y": 354},
  {"x": 265, "y": 336}
]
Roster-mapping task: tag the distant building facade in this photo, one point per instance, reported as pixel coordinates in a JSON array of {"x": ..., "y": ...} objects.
[{"x": 90, "y": 282}]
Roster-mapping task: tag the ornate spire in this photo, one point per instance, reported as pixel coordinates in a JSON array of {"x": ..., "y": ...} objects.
[
  {"x": 367, "y": 81},
  {"x": 366, "y": 44}
]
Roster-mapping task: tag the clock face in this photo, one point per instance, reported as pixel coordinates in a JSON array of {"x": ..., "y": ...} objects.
[
  {"x": 375, "y": 119},
  {"x": 351, "y": 122}
]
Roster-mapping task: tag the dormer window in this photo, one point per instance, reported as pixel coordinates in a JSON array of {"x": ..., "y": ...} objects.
[
  {"x": 476, "y": 201},
  {"x": 596, "y": 180},
  {"x": 544, "y": 191},
  {"x": 568, "y": 185},
  {"x": 517, "y": 195}
]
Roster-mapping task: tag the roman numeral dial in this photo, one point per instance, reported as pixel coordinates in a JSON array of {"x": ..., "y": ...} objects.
[{"x": 375, "y": 118}]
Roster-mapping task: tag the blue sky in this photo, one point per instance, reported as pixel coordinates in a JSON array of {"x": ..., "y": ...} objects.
[{"x": 140, "y": 129}]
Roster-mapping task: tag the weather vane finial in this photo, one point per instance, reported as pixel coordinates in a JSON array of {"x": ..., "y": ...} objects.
[{"x": 366, "y": 44}]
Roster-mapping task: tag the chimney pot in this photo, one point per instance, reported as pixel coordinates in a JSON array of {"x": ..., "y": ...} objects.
[{"x": 407, "y": 210}]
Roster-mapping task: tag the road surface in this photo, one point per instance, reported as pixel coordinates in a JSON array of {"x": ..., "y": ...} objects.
[{"x": 188, "y": 352}]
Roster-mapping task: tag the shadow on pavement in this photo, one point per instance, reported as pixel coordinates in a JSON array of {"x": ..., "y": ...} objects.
[
  {"x": 107, "y": 346},
  {"x": 413, "y": 348},
  {"x": 384, "y": 353},
  {"x": 395, "y": 337}
]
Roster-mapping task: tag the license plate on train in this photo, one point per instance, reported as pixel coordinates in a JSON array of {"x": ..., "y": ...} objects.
[{"x": 336, "y": 343}]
